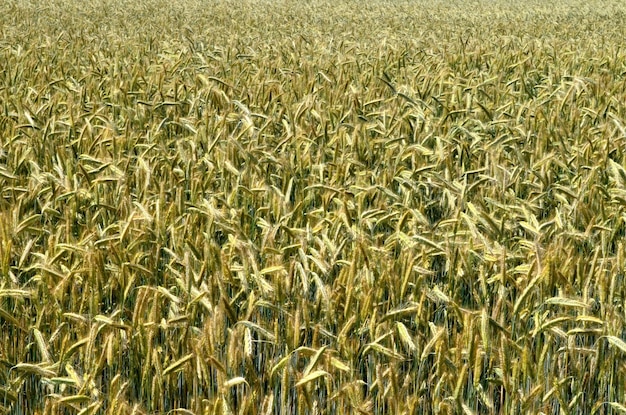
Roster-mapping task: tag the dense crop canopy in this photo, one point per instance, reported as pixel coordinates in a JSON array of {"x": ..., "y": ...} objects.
[{"x": 288, "y": 207}]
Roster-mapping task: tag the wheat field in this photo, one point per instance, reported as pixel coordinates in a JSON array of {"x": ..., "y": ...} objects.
[{"x": 285, "y": 207}]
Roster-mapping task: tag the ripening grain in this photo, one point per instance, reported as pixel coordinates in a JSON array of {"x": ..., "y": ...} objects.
[{"x": 283, "y": 207}]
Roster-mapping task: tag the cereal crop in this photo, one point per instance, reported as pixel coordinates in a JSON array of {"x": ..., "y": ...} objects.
[{"x": 312, "y": 207}]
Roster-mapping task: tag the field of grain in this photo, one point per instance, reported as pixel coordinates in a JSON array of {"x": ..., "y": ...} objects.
[{"x": 324, "y": 207}]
